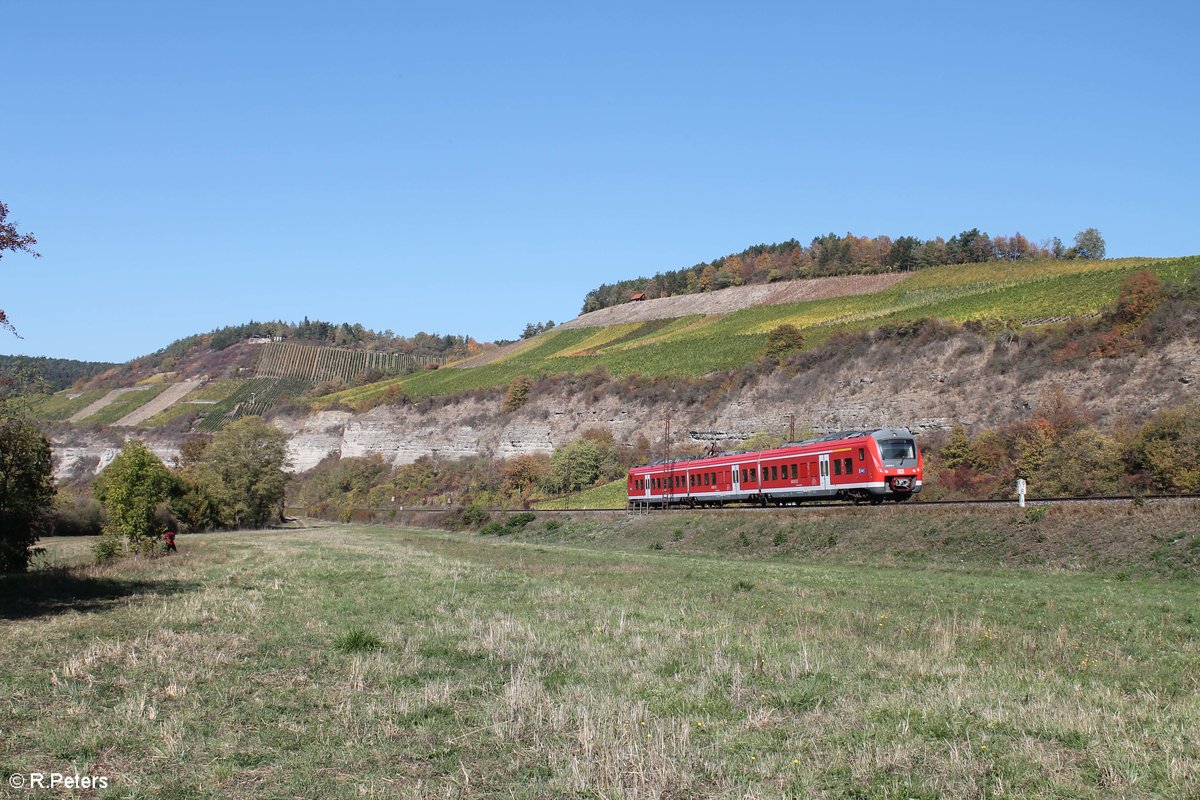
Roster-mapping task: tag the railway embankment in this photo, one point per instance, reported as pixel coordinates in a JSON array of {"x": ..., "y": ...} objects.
[{"x": 1122, "y": 539}]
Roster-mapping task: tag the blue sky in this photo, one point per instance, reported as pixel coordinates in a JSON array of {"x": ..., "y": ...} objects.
[{"x": 470, "y": 167}]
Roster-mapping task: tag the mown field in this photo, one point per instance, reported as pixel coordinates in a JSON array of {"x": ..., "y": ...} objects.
[
  {"x": 546, "y": 670},
  {"x": 1020, "y": 293}
]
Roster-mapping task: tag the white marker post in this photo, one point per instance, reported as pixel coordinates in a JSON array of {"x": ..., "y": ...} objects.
[{"x": 1021, "y": 492}]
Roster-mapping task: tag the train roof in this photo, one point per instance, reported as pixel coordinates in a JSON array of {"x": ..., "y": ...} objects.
[{"x": 829, "y": 437}]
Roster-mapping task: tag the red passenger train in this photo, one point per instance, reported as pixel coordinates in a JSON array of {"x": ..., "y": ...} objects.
[{"x": 873, "y": 466}]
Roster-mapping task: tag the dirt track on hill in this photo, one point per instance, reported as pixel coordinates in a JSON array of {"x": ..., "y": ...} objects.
[
  {"x": 735, "y": 298},
  {"x": 722, "y": 301},
  {"x": 161, "y": 403}
]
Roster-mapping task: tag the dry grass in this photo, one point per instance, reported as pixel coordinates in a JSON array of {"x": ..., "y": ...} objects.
[{"x": 538, "y": 670}]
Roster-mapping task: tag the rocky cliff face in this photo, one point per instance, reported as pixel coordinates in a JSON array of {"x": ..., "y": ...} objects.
[{"x": 926, "y": 388}]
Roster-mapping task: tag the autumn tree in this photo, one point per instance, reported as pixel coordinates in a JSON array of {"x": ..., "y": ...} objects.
[
  {"x": 1140, "y": 294},
  {"x": 784, "y": 339},
  {"x": 12, "y": 240},
  {"x": 517, "y": 393},
  {"x": 957, "y": 449},
  {"x": 1082, "y": 463},
  {"x": 525, "y": 472},
  {"x": 1166, "y": 450}
]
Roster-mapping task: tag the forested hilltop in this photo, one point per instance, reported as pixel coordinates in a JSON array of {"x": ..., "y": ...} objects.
[
  {"x": 832, "y": 254},
  {"x": 334, "y": 334},
  {"x": 38, "y": 373}
]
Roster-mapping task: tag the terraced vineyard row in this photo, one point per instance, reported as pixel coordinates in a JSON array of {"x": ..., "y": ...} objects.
[
  {"x": 316, "y": 364},
  {"x": 253, "y": 397}
]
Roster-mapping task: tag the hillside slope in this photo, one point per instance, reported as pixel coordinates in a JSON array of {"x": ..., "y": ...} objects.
[
  {"x": 1015, "y": 294},
  {"x": 869, "y": 360},
  {"x": 928, "y": 385}
]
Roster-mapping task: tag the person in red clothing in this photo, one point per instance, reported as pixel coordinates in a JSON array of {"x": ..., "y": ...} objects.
[{"x": 169, "y": 538}]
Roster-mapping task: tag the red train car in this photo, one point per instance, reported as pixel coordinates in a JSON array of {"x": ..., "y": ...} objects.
[{"x": 874, "y": 466}]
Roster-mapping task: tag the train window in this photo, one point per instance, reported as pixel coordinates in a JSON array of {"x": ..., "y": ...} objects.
[
  {"x": 793, "y": 472},
  {"x": 849, "y": 466},
  {"x": 862, "y": 454},
  {"x": 774, "y": 473},
  {"x": 753, "y": 475},
  {"x": 714, "y": 480},
  {"x": 837, "y": 466}
]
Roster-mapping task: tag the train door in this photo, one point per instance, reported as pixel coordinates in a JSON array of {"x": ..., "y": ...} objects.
[
  {"x": 646, "y": 485},
  {"x": 824, "y": 468},
  {"x": 736, "y": 484}
]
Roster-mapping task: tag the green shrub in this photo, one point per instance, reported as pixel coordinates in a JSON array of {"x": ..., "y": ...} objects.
[
  {"x": 518, "y": 522},
  {"x": 779, "y": 539},
  {"x": 357, "y": 640},
  {"x": 76, "y": 516},
  {"x": 495, "y": 529},
  {"x": 474, "y": 516},
  {"x": 108, "y": 547}
]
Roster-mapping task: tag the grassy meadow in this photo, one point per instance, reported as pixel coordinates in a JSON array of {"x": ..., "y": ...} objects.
[{"x": 368, "y": 662}]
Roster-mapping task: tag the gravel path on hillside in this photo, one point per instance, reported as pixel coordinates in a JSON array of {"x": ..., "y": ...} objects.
[
  {"x": 96, "y": 406},
  {"x": 160, "y": 403},
  {"x": 735, "y": 298}
]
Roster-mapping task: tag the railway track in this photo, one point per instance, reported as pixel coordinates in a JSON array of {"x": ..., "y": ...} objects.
[{"x": 915, "y": 505}]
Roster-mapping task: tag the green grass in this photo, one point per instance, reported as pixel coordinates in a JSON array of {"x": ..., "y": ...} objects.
[
  {"x": 610, "y": 495},
  {"x": 124, "y": 404},
  {"x": 509, "y": 669},
  {"x": 695, "y": 345},
  {"x": 61, "y": 405}
]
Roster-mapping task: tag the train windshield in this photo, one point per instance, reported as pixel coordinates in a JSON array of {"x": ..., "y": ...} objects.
[{"x": 897, "y": 450}]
